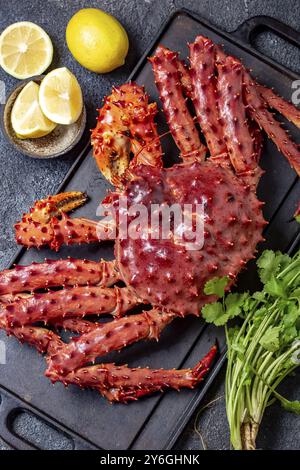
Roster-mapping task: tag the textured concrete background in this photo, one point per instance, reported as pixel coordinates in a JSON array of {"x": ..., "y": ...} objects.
[{"x": 24, "y": 180}]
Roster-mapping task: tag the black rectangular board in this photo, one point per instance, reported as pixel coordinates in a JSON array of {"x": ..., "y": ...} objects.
[{"x": 155, "y": 422}]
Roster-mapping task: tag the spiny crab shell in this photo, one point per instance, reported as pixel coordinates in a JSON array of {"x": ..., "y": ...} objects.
[{"x": 169, "y": 274}]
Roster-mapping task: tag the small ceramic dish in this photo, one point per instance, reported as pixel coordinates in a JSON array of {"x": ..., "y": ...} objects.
[{"x": 59, "y": 142}]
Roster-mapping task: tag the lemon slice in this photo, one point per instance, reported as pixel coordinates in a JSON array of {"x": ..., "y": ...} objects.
[
  {"x": 61, "y": 97},
  {"x": 25, "y": 50},
  {"x": 27, "y": 118}
]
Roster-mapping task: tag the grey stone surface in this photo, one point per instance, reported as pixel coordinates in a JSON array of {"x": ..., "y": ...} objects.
[{"x": 23, "y": 180}]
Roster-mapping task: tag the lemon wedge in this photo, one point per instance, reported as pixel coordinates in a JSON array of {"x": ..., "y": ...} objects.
[
  {"x": 27, "y": 118},
  {"x": 61, "y": 97},
  {"x": 25, "y": 50}
]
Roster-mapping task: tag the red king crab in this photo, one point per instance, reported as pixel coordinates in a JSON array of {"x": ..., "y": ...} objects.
[{"x": 231, "y": 110}]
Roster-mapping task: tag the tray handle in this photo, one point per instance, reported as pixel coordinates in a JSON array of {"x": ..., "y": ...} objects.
[
  {"x": 247, "y": 30},
  {"x": 8, "y": 412},
  {"x": 10, "y": 407}
]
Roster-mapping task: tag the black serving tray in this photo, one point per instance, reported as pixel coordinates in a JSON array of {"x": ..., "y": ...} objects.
[{"x": 155, "y": 422}]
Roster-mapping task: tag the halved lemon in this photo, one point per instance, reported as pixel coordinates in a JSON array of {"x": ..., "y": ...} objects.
[
  {"x": 27, "y": 118},
  {"x": 25, "y": 50},
  {"x": 61, "y": 97}
]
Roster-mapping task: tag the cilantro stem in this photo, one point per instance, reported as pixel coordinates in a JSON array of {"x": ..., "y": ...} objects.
[{"x": 260, "y": 351}]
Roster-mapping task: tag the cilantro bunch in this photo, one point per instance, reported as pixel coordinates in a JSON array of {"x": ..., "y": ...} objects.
[{"x": 265, "y": 348}]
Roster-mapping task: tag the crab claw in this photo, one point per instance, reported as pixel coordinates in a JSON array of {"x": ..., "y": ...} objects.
[
  {"x": 48, "y": 224},
  {"x": 126, "y": 126},
  {"x": 54, "y": 206}
]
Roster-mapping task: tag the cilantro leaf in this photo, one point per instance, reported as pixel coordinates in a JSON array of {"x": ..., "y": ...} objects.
[
  {"x": 285, "y": 260},
  {"x": 216, "y": 286},
  {"x": 258, "y": 316},
  {"x": 270, "y": 263},
  {"x": 234, "y": 303},
  {"x": 267, "y": 264},
  {"x": 239, "y": 349},
  {"x": 222, "y": 320},
  {"x": 232, "y": 333},
  {"x": 270, "y": 340},
  {"x": 274, "y": 287},
  {"x": 217, "y": 314},
  {"x": 259, "y": 296},
  {"x": 296, "y": 293},
  {"x": 289, "y": 334},
  {"x": 212, "y": 312},
  {"x": 292, "y": 314}
]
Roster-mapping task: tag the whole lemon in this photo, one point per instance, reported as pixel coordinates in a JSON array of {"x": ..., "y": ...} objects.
[{"x": 97, "y": 40}]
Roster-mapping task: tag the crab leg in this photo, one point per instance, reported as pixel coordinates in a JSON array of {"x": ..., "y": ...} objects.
[
  {"x": 185, "y": 78},
  {"x": 181, "y": 124},
  {"x": 58, "y": 232},
  {"x": 257, "y": 98},
  {"x": 105, "y": 338},
  {"x": 123, "y": 384},
  {"x": 77, "y": 301},
  {"x": 56, "y": 273},
  {"x": 76, "y": 325},
  {"x": 42, "y": 339},
  {"x": 48, "y": 224},
  {"x": 266, "y": 121},
  {"x": 288, "y": 110},
  {"x": 202, "y": 59},
  {"x": 45, "y": 341},
  {"x": 232, "y": 111},
  {"x": 257, "y": 138}
]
